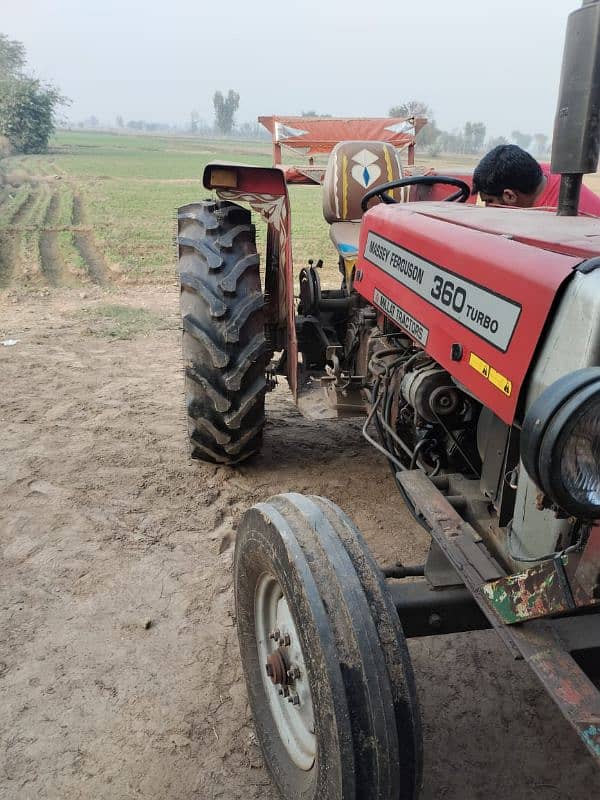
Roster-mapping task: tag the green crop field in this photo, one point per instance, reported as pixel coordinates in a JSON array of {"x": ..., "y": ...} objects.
[{"x": 101, "y": 208}]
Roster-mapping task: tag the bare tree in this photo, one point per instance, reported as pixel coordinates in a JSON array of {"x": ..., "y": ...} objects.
[
  {"x": 478, "y": 131},
  {"x": 412, "y": 108},
  {"x": 541, "y": 143},
  {"x": 521, "y": 139},
  {"x": 496, "y": 142},
  {"x": 225, "y": 108}
]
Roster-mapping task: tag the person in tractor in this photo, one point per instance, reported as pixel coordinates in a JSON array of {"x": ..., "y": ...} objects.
[{"x": 510, "y": 176}]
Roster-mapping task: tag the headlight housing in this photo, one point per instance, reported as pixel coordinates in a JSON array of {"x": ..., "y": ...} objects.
[{"x": 560, "y": 443}]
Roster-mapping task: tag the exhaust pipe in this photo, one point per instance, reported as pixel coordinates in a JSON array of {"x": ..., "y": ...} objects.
[{"x": 576, "y": 140}]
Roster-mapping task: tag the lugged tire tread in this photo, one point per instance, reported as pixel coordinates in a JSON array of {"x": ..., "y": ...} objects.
[
  {"x": 213, "y": 455},
  {"x": 235, "y": 447},
  {"x": 233, "y": 419},
  {"x": 225, "y": 210},
  {"x": 218, "y": 307},
  {"x": 228, "y": 238},
  {"x": 204, "y": 206},
  {"x": 253, "y": 350},
  {"x": 225, "y": 349},
  {"x": 208, "y": 221},
  {"x": 241, "y": 315},
  {"x": 228, "y": 328},
  {"x": 219, "y": 436},
  {"x": 219, "y": 401},
  {"x": 218, "y": 356},
  {"x": 212, "y": 258},
  {"x": 229, "y": 282}
]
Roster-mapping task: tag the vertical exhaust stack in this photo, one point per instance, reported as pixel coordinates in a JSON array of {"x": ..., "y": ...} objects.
[{"x": 576, "y": 141}]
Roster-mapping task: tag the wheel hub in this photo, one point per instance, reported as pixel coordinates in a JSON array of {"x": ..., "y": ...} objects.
[
  {"x": 276, "y": 667},
  {"x": 284, "y": 678}
]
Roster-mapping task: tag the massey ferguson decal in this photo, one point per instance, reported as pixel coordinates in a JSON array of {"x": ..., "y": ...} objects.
[
  {"x": 416, "y": 329},
  {"x": 490, "y": 316}
]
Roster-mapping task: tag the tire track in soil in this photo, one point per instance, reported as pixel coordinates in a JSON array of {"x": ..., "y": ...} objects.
[
  {"x": 86, "y": 246},
  {"x": 11, "y": 239},
  {"x": 50, "y": 260}
]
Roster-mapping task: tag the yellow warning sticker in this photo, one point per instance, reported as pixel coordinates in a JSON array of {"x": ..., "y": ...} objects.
[
  {"x": 494, "y": 377},
  {"x": 500, "y": 382},
  {"x": 479, "y": 364}
]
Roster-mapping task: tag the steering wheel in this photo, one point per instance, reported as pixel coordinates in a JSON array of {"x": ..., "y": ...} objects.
[{"x": 464, "y": 190}]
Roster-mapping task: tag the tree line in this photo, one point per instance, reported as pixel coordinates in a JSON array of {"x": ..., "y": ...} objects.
[
  {"x": 28, "y": 116},
  {"x": 470, "y": 140},
  {"x": 27, "y": 105}
]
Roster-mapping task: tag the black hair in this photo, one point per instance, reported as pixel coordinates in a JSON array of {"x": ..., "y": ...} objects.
[{"x": 507, "y": 167}]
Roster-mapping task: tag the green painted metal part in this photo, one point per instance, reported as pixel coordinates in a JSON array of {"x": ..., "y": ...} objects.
[
  {"x": 552, "y": 587},
  {"x": 591, "y": 738},
  {"x": 537, "y": 592}
]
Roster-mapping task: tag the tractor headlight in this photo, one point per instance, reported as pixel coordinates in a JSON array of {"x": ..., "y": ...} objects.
[{"x": 560, "y": 443}]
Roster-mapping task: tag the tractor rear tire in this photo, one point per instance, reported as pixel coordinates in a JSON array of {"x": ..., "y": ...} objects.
[{"x": 225, "y": 352}]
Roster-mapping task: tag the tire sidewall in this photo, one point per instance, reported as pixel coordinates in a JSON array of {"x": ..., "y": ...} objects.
[{"x": 256, "y": 555}]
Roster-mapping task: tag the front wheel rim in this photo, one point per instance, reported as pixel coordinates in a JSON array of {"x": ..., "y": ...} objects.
[{"x": 283, "y": 670}]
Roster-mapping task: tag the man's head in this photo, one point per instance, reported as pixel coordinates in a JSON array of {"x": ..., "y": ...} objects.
[{"x": 508, "y": 176}]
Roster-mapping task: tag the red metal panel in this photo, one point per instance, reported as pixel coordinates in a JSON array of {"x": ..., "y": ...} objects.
[
  {"x": 320, "y": 134},
  {"x": 541, "y": 228},
  {"x": 519, "y": 280},
  {"x": 265, "y": 190},
  {"x": 260, "y": 180}
]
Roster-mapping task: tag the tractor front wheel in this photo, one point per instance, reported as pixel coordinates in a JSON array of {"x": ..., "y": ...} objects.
[
  {"x": 327, "y": 668},
  {"x": 225, "y": 352}
]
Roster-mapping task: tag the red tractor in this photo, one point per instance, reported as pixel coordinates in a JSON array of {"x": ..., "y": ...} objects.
[{"x": 469, "y": 337}]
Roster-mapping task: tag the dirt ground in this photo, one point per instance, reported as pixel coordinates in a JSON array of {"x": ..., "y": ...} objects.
[{"x": 119, "y": 668}]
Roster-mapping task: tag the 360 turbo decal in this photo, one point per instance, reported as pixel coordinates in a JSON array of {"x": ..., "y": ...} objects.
[{"x": 490, "y": 316}]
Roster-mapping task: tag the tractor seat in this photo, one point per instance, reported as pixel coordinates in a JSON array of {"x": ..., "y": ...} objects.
[
  {"x": 354, "y": 168},
  {"x": 344, "y": 236}
]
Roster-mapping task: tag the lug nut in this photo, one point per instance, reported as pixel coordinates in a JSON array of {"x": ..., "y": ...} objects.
[
  {"x": 286, "y": 640},
  {"x": 294, "y": 700},
  {"x": 435, "y": 621},
  {"x": 293, "y": 673},
  {"x": 275, "y": 634}
]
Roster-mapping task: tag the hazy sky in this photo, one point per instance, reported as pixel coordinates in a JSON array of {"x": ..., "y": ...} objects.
[{"x": 495, "y": 61}]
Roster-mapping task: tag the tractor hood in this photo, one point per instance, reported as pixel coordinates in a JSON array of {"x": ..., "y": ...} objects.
[
  {"x": 575, "y": 236},
  {"x": 474, "y": 286}
]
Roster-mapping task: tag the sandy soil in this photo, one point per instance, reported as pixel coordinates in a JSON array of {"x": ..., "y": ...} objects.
[{"x": 119, "y": 669}]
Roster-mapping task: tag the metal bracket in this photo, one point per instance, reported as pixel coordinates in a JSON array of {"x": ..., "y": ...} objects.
[
  {"x": 537, "y": 641},
  {"x": 543, "y": 590},
  {"x": 460, "y": 543},
  {"x": 439, "y": 572}
]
